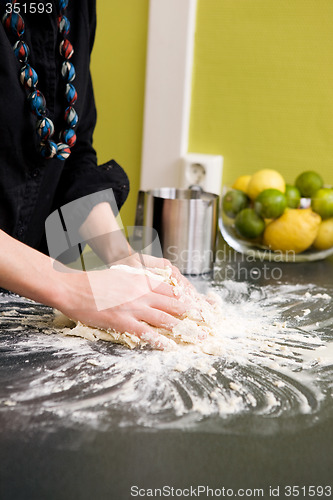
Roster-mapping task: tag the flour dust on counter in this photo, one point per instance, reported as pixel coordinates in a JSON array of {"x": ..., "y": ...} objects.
[{"x": 270, "y": 368}]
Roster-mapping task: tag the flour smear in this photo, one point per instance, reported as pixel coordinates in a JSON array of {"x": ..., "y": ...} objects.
[{"x": 272, "y": 370}]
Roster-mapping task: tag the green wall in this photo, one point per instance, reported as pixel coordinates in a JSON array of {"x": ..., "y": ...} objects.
[
  {"x": 263, "y": 85},
  {"x": 118, "y": 72}
]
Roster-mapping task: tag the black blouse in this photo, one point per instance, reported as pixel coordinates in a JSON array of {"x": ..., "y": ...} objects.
[{"x": 31, "y": 187}]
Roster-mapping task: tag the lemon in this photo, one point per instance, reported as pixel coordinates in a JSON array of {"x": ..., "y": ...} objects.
[
  {"x": 322, "y": 203},
  {"x": 265, "y": 179},
  {"x": 293, "y": 196},
  {"x": 324, "y": 237},
  {"x": 294, "y": 231},
  {"x": 270, "y": 203},
  {"x": 233, "y": 202},
  {"x": 308, "y": 183},
  {"x": 249, "y": 224},
  {"x": 242, "y": 183}
]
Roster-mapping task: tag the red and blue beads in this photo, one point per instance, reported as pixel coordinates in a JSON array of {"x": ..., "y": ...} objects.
[
  {"x": 14, "y": 25},
  {"x": 37, "y": 103},
  {"x": 28, "y": 77},
  {"x": 63, "y": 4},
  {"x": 69, "y": 137},
  {"x": 48, "y": 149},
  {"x": 68, "y": 71},
  {"x": 64, "y": 25},
  {"x": 21, "y": 50},
  {"x": 71, "y": 117},
  {"x": 45, "y": 129},
  {"x": 70, "y": 94},
  {"x": 66, "y": 49},
  {"x": 63, "y": 151}
]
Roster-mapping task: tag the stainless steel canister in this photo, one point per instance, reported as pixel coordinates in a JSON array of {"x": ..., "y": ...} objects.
[{"x": 186, "y": 223}]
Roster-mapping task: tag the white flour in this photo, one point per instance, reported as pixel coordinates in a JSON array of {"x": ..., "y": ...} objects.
[
  {"x": 209, "y": 327},
  {"x": 266, "y": 358}
]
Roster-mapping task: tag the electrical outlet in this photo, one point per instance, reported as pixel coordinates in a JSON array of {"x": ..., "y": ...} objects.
[{"x": 202, "y": 170}]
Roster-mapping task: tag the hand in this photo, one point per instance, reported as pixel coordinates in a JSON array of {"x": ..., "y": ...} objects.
[
  {"x": 102, "y": 232},
  {"x": 105, "y": 299},
  {"x": 122, "y": 301},
  {"x": 148, "y": 261}
]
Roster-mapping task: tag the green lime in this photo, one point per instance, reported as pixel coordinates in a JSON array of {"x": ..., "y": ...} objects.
[
  {"x": 270, "y": 203},
  {"x": 322, "y": 203},
  {"x": 233, "y": 202},
  {"x": 249, "y": 224},
  {"x": 293, "y": 196},
  {"x": 308, "y": 183}
]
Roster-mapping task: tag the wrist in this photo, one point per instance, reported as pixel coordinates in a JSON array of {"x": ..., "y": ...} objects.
[{"x": 58, "y": 290}]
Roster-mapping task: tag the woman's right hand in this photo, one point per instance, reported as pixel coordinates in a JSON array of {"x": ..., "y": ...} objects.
[
  {"x": 122, "y": 301},
  {"x": 111, "y": 298}
]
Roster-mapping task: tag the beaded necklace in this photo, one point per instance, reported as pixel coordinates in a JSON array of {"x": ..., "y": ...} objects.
[{"x": 14, "y": 24}]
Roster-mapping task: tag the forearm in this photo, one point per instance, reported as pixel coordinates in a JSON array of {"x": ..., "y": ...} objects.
[
  {"x": 27, "y": 272},
  {"x": 103, "y": 234},
  {"x": 104, "y": 299}
]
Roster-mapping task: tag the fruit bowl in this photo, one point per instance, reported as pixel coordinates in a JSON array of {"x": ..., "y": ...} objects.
[{"x": 256, "y": 249}]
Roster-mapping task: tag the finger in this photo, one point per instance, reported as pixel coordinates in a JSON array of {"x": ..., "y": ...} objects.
[
  {"x": 182, "y": 279},
  {"x": 154, "y": 339},
  {"x": 165, "y": 289},
  {"x": 170, "y": 291},
  {"x": 151, "y": 284},
  {"x": 166, "y": 304},
  {"x": 151, "y": 262},
  {"x": 144, "y": 332},
  {"x": 157, "y": 318}
]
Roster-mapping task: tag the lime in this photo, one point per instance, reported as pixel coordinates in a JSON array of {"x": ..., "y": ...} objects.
[
  {"x": 308, "y": 183},
  {"x": 293, "y": 196},
  {"x": 242, "y": 182},
  {"x": 233, "y": 202},
  {"x": 270, "y": 204},
  {"x": 322, "y": 203},
  {"x": 265, "y": 179},
  {"x": 249, "y": 224}
]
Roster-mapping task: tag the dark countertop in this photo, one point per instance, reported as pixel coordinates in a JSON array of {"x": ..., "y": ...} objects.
[{"x": 70, "y": 427}]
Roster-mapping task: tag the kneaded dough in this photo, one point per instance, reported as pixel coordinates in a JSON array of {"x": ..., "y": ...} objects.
[{"x": 197, "y": 327}]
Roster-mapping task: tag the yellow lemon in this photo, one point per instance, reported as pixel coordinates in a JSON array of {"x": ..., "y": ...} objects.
[
  {"x": 265, "y": 179},
  {"x": 242, "y": 183},
  {"x": 324, "y": 237},
  {"x": 294, "y": 231}
]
